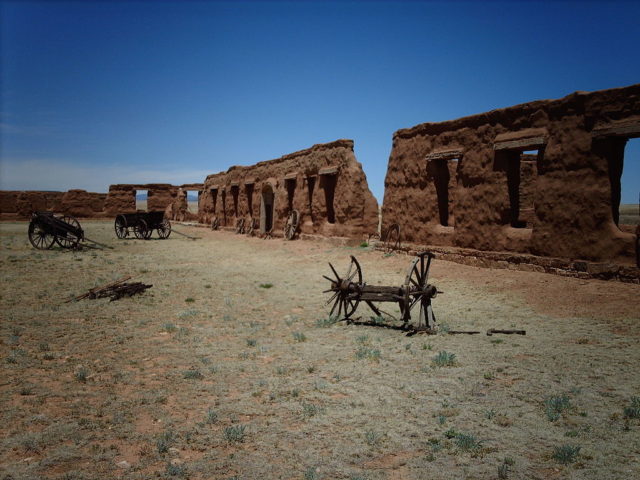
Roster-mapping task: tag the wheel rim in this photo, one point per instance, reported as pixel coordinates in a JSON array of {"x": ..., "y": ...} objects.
[
  {"x": 67, "y": 239},
  {"x": 344, "y": 290},
  {"x": 415, "y": 291},
  {"x": 120, "y": 227},
  {"x": 392, "y": 238},
  {"x": 141, "y": 230},
  {"x": 164, "y": 230},
  {"x": 40, "y": 237}
]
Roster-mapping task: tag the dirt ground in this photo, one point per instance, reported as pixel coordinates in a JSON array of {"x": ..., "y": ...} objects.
[{"x": 230, "y": 368}]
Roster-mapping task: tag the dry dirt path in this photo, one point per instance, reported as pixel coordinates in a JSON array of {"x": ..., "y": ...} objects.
[{"x": 229, "y": 368}]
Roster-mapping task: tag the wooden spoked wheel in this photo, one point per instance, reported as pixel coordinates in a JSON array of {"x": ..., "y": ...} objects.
[
  {"x": 417, "y": 290},
  {"x": 215, "y": 223},
  {"x": 251, "y": 228},
  {"x": 291, "y": 225},
  {"x": 240, "y": 225},
  {"x": 40, "y": 236},
  {"x": 141, "y": 230},
  {"x": 120, "y": 226},
  {"x": 71, "y": 237},
  {"x": 344, "y": 290},
  {"x": 164, "y": 229},
  {"x": 392, "y": 238}
]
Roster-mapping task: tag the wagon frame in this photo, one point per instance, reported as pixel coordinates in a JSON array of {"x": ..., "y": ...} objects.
[{"x": 142, "y": 224}]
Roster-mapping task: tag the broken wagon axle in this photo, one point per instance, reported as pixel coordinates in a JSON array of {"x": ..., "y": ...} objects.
[{"x": 349, "y": 290}]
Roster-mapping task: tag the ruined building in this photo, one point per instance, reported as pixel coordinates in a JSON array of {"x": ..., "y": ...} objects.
[
  {"x": 324, "y": 183},
  {"x": 542, "y": 178}
]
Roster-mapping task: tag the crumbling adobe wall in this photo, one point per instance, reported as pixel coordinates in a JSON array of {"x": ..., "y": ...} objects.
[
  {"x": 78, "y": 203},
  {"x": 325, "y": 183},
  {"x": 122, "y": 197},
  {"x": 580, "y": 143}
]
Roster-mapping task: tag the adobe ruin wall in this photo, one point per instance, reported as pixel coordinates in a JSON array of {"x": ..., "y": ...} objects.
[
  {"x": 561, "y": 202},
  {"x": 15, "y": 205},
  {"x": 325, "y": 183}
]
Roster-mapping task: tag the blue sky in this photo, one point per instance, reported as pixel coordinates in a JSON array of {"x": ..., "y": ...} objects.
[{"x": 95, "y": 93}]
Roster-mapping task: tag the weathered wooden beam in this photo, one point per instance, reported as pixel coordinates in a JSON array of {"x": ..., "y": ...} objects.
[
  {"x": 530, "y": 143},
  {"x": 491, "y": 331}
]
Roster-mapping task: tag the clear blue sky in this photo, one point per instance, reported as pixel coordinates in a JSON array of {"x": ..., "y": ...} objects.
[{"x": 95, "y": 93}]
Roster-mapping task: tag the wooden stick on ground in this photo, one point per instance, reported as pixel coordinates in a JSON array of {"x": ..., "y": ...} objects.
[
  {"x": 491, "y": 331},
  {"x": 95, "y": 290},
  {"x": 184, "y": 234}
]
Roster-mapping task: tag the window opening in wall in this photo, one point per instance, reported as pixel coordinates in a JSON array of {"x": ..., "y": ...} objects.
[
  {"x": 623, "y": 176},
  {"x": 629, "y": 209},
  {"x": 522, "y": 166},
  {"x": 328, "y": 184},
  {"x": 193, "y": 201},
  {"x": 141, "y": 197},
  {"x": 235, "y": 193},
  {"x": 248, "y": 190},
  {"x": 290, "y": 185},
  {"x": 266, "y": 208}
]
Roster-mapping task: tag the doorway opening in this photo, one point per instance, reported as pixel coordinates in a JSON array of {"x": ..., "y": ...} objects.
[
  {"x": 141, "y": 197},
  {"x": 443, "y": 169},
  {"x": 224, "y": 207},
  {"x": 290, "y": 185},
  {"x": 267, "y": 208},
  {"x": 235, "y": 193},
  {"x": 522, "y": 166},
  {"x": 248, "y": 191},
  {"x": 311, "y": 183},
  {"x": 214, "y": 198},
  {"x": 193, "y": 201},
  {"x": 328, "y": 184}
]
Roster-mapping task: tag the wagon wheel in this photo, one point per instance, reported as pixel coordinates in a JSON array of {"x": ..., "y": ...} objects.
[
  {"x": 418, "y": 290},
  {"x": 251, "y": 228},
  {"x": 267, "y": 234},
  {"x": 215, "y": 224},
  {"x": 164, "y": 228},
  {"x": 291, "y": 225},
  {"x": 120, "y": 226},
  {"x": 345, "y": 290},
  {"x": 392, "y": 238},
  {"x": 68, "y": 239},
  {"x": 141, "y": 231},
  {"x": 240, "y": 225},
  {"x": 39, "y": 236}
]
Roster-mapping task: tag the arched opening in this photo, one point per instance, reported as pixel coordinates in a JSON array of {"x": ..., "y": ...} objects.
[
  {"x": 214, "y": 198},
  {"x": 267, "y": 208}
]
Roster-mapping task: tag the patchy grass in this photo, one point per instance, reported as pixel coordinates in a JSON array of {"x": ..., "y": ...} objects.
[{"x": 168, "y": 387}]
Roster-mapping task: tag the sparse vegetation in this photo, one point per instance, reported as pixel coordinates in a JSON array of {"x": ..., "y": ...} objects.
[
  {"x": 555, "y": 405},
  {"x": 165, "y": 379},
  {"x": 235, "y": 433},
  {"x": 444, "y": 359},
  {"x": 566, "y": 454}
]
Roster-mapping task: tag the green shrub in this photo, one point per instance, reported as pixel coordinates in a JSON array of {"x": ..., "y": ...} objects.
[
  {"x": 467, "y": 442},
  {"x": 633, "y": 410},
  {"x": 566, "y": 454},
  {"x": 555, "y": 405},
  {"x": 235, "y": 433},
  {"x": 444, "y": 359},
  {"x": 266, "y": 285},
  {"x": 193, "y": 374},
  {"x": 299, "y": 337}
]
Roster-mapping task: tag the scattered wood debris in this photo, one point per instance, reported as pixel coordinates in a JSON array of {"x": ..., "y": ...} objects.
[
  {"x": 491, "y": 331},
  {"x": 114, "y": 290}
]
